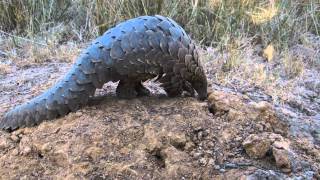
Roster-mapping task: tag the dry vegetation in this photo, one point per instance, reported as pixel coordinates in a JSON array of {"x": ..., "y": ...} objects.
[{"x": 212, "y": 22}]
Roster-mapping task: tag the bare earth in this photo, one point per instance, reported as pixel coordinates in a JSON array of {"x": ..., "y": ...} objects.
[{"x": 233, "y": 135}]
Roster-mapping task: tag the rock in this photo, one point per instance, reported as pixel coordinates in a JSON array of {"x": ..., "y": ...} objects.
[
  {"x": 178, "y": 140},
  {"x": 282, "y": 159},
  {"x": 239, "y": 138},
  {"x": 203, "y": 161},
  {"x": 78, "y": 113},
  {"x": 211, "y": 162},
  {"x": 256, "y": 146},
  {"x": 26, "y": 150},
  {"x": 4, "y": 143},
  {"x": 171, "y": 155},
  {"x": 94, "y": 152},
  {"x": 15, "y": 152},
  {"x": 262, "y": 106},
  {"x": 152, "y": 140},
  {"x": 260, "y": 127},
  {"x": 46, "y": 147},
  {"x": 14, "y": 138},
  {"x": 189, "y": 146}
]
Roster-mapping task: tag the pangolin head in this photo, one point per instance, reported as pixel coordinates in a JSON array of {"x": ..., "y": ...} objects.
[{"x": 199, "y": 83}]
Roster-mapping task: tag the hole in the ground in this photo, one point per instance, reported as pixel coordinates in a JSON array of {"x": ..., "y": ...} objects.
[
  {"x": 158, "y": 158},
  {"x": 40, "y": 155},
  {"x": 178, "y": 145},
  {"x": 212, "y": 110}
]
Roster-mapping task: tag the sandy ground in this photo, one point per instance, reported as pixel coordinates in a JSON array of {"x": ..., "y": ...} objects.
[{"x": 233, "y": 135}]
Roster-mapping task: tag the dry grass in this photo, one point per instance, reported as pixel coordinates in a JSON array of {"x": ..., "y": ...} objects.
[
  {"x": 275, "y": 71},
  {"x": 4, "y": 69},
  {"x": 293, "y": 66},
  {"x": 211, "y": 22},
  {"x": 24, "y": 54}
]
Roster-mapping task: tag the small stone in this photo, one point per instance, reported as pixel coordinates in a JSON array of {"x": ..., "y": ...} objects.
[
  {"x": 46, "y": 147},
  {"x": 189, "y": 146},
  {"x": 260, "y": 127},
  {"x": 211, "y": 162},
  {"x": 286, "y": 170},
  {"x": 262, "y": 106},
  {"x": 282, "y": 159},
  {"x": 222, "y": 170},
  {"x": 239, "y": 138},
  {"x": 78, "y": 113},
  {"x": 14, "y": 138},
  {"x": 15, "y": 152},
  {"x": 18, "y": 132},
  {"x": 256, "y": 146},
  {"x": 199, "y": 128},
  {"x": 268, "y": 126},
  {"x": 178, "y": 140},
  {"x": 197, "y": 155},
  {"x": 94, "y": 152},
  {"x": 288, "y": 113},
  {"x": 4, "y": 144},
  {"x": 26, "y": 150},
  {"x": 171, "y": 156},
  {"x": 203, "y": 161}
]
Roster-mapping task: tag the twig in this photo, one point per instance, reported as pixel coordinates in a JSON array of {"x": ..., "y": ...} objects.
[{"x": 25, "y": 39}]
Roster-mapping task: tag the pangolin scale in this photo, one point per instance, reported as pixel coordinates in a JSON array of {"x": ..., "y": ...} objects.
[{"x": 132, "y": 52}]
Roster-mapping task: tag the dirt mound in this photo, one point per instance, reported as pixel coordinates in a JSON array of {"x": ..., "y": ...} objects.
[{"x": 159, "y": 137}]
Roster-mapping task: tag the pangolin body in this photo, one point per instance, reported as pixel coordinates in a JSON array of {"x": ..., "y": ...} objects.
[{"x": 131, "y": 52}]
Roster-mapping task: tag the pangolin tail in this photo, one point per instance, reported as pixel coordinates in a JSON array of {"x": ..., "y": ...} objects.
[{"x": 88, "y": 73}]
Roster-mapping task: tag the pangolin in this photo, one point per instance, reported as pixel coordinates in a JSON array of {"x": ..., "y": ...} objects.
[{"x": 136, "y": 50}]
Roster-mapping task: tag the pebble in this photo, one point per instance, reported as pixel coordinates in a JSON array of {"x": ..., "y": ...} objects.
[
  {"x": 14, "y": 138},
  {"x": 239, "y": 138},
  {"x": 211, "y": 162},
  {"x": 15, "y": 152},
  {"x": 4, "y": 144},
  {"x": 203, "y": 161},
  {"x": 46, "y": 147},
  {"x": 196, "y": 155},
  {"x": 78, "y": 113},
  {"x": 26, "y": 150}
]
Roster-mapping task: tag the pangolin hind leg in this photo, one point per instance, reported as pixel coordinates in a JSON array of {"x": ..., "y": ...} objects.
[
  {"x": 172, "y": 89},
  {"x": 141, "y": 90},
  {"x": 126, "y": 89},
  {"x": 187, "y": 87}
]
